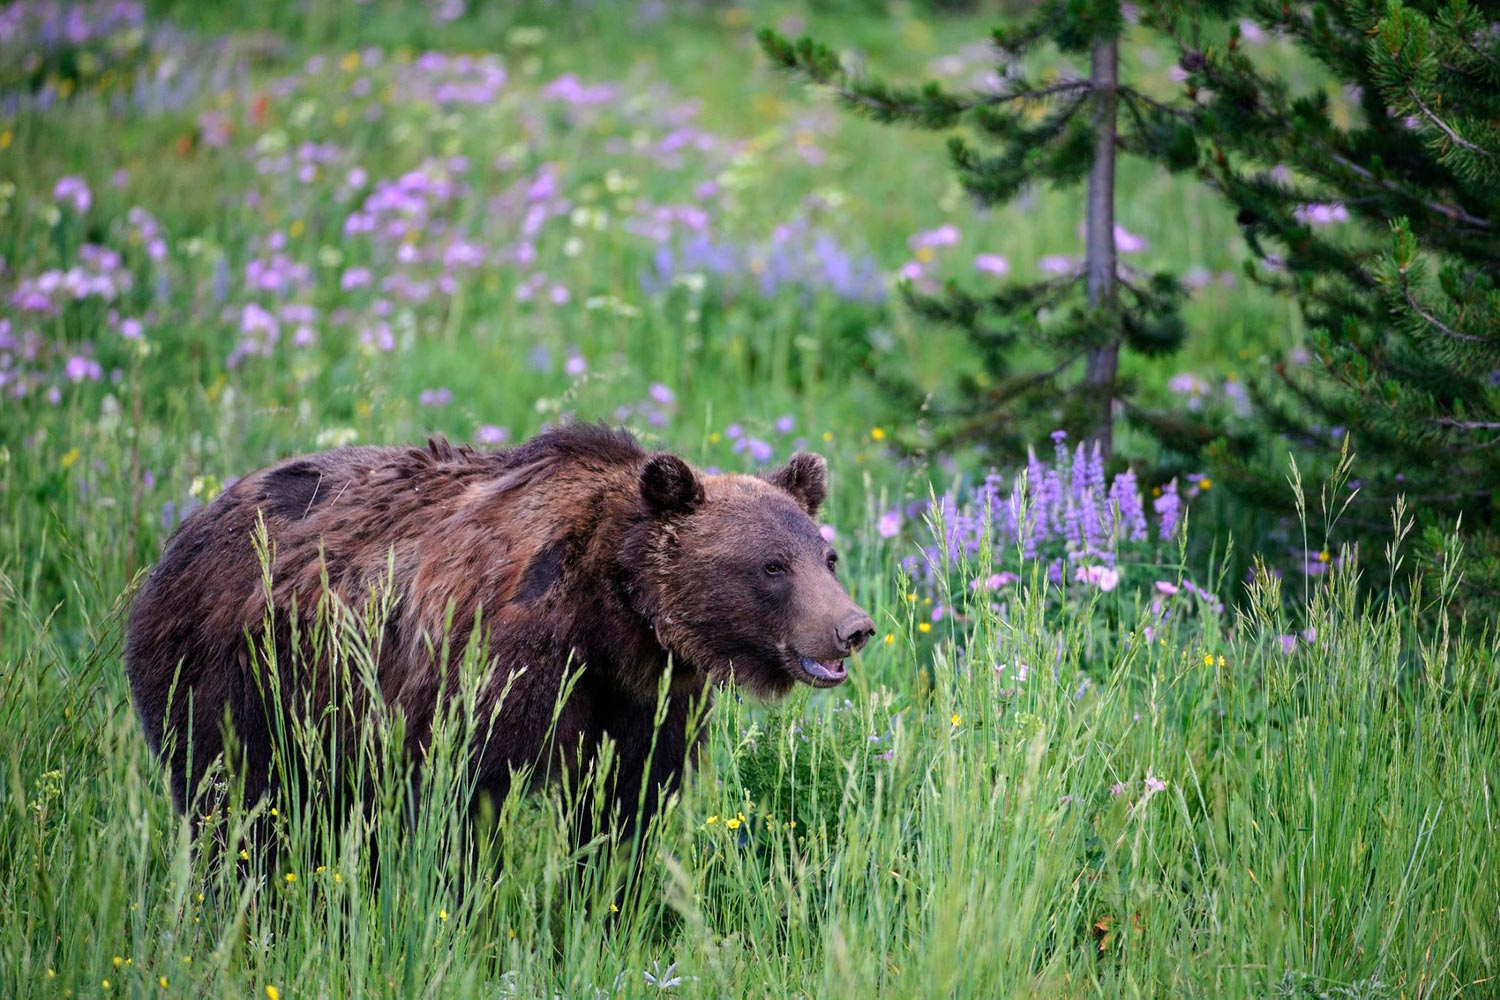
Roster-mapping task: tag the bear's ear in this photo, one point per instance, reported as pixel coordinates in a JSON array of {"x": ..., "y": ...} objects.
[
  {"x": 669, "y": 488},
  {"x": 805, "y": 477}
]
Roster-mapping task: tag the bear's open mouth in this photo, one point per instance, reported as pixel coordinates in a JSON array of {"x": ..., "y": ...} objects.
[{"x": 822, "y": 673}]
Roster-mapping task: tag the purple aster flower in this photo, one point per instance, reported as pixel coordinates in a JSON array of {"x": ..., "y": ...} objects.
[
  {"x": 79, "y": 368},
  {"x": 991, "y": 263},
  {"x": 1128, "y": 242},
  {"x": 828, "y": 533},
  {"x": 785, "y": 425},
  {"x": 945, "y": 235},
  {"x": 889, "y": 524},
  {"x": 661, "y": 394},
  {"x": 75, "y": 192},
  {"x": 490, "y": 434}
]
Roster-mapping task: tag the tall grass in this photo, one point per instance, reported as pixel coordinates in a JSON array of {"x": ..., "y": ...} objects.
[{"x": 1033, "y": 811}]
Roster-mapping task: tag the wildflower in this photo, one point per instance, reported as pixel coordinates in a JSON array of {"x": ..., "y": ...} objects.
[
  {"x": 956, "y": 719},
  {"x": 828, "y": 533},
  {"x": 712, "y": 819},
  {"x": 1128, "y": 242},
  {"x": 733, "y": 824},
  {"x": 665, "y": 979},
  {"x": 1166, "y": 587},
  {"x": 70, "y": 457},
  {"x": 1106, "y": 578},
  {"x": 291, "y": 877},
  {"x": 889, "y": 524},
  {"x": 877, "y": 433},
  {"x": 73, "y": 191},
  {"x": 161, "y": 981},
  {"x": 1205, "y": 483},
  {"x": 1208, "y": 659},
  {"x": 924, "y": 627},
  {"x": 272, "y": 993},
  {"x": 943, "y": 236},
  {"x": 1117, "y": 789},
  {"x": 889, "y": 639},
  {"x": 443, "y": 915},
  {"x": 244, "y": 855},
  {"x": 1154, "y": 784},
  {"x": 1321, "y": 214},
  {"x": 990, "y": 263},
  {"x": 613, "y": 908}
]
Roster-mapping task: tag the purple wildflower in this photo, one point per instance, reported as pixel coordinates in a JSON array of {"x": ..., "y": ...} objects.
[{"x": 73, "y": 191}]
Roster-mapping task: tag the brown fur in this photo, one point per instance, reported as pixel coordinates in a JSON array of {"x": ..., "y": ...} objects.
[{"x": 574, "y": 549}]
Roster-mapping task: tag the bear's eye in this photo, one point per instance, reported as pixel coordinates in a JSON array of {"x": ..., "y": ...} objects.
[
  {"x": 775, "y": 568},
  {"x": 833, "y": 562}
]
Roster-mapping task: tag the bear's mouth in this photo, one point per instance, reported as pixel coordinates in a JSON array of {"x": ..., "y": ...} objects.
[{"x": 822, "y": 673}]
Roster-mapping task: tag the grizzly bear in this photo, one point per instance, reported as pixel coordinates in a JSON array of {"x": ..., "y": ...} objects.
[{"x": 576, "y": 551}]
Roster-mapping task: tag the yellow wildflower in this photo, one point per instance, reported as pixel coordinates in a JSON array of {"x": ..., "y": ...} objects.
[
  {"x": 924, "y": 627},
  {"x": 70, "y": 457},
  {"x": 956, "y": 719},
  {"x": 272, "y": 993},
  {"x": 877, "y": 433},
  {"x": 443, "y": 915},
  {"x": 291, "y": 877},
  {"x": 889, "y": 638}
]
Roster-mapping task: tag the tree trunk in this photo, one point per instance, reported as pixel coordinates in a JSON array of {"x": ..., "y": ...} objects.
[{"x": 1099, "y": 236}]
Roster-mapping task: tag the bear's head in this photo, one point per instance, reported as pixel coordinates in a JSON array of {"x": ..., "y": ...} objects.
[{"x": 741, "y": 583}]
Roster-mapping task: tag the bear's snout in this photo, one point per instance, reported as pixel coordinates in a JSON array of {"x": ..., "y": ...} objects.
[{"x": 854, "y": 631}]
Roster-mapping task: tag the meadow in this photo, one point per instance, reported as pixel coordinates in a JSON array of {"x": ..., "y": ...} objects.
[{"x": 231, "y": 235}]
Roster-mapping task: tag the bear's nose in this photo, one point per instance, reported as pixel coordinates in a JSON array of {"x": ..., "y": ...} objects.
[{"x": 855, "y": 631}]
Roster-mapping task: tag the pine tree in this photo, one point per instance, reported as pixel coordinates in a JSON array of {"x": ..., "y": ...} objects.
[
  {"x": 1063, "y": 132},
  {"x": 1403, "y": 303}
]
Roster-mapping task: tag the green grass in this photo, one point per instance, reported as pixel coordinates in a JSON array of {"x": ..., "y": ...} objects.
[{"x": 1325, "y": 822}]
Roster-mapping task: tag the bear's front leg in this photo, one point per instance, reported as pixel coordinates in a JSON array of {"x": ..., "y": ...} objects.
[{"x": 649, "y": 760}]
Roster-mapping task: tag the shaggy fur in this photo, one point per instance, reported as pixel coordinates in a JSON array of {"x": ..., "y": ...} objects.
[{"x": 574, "y": 549}]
